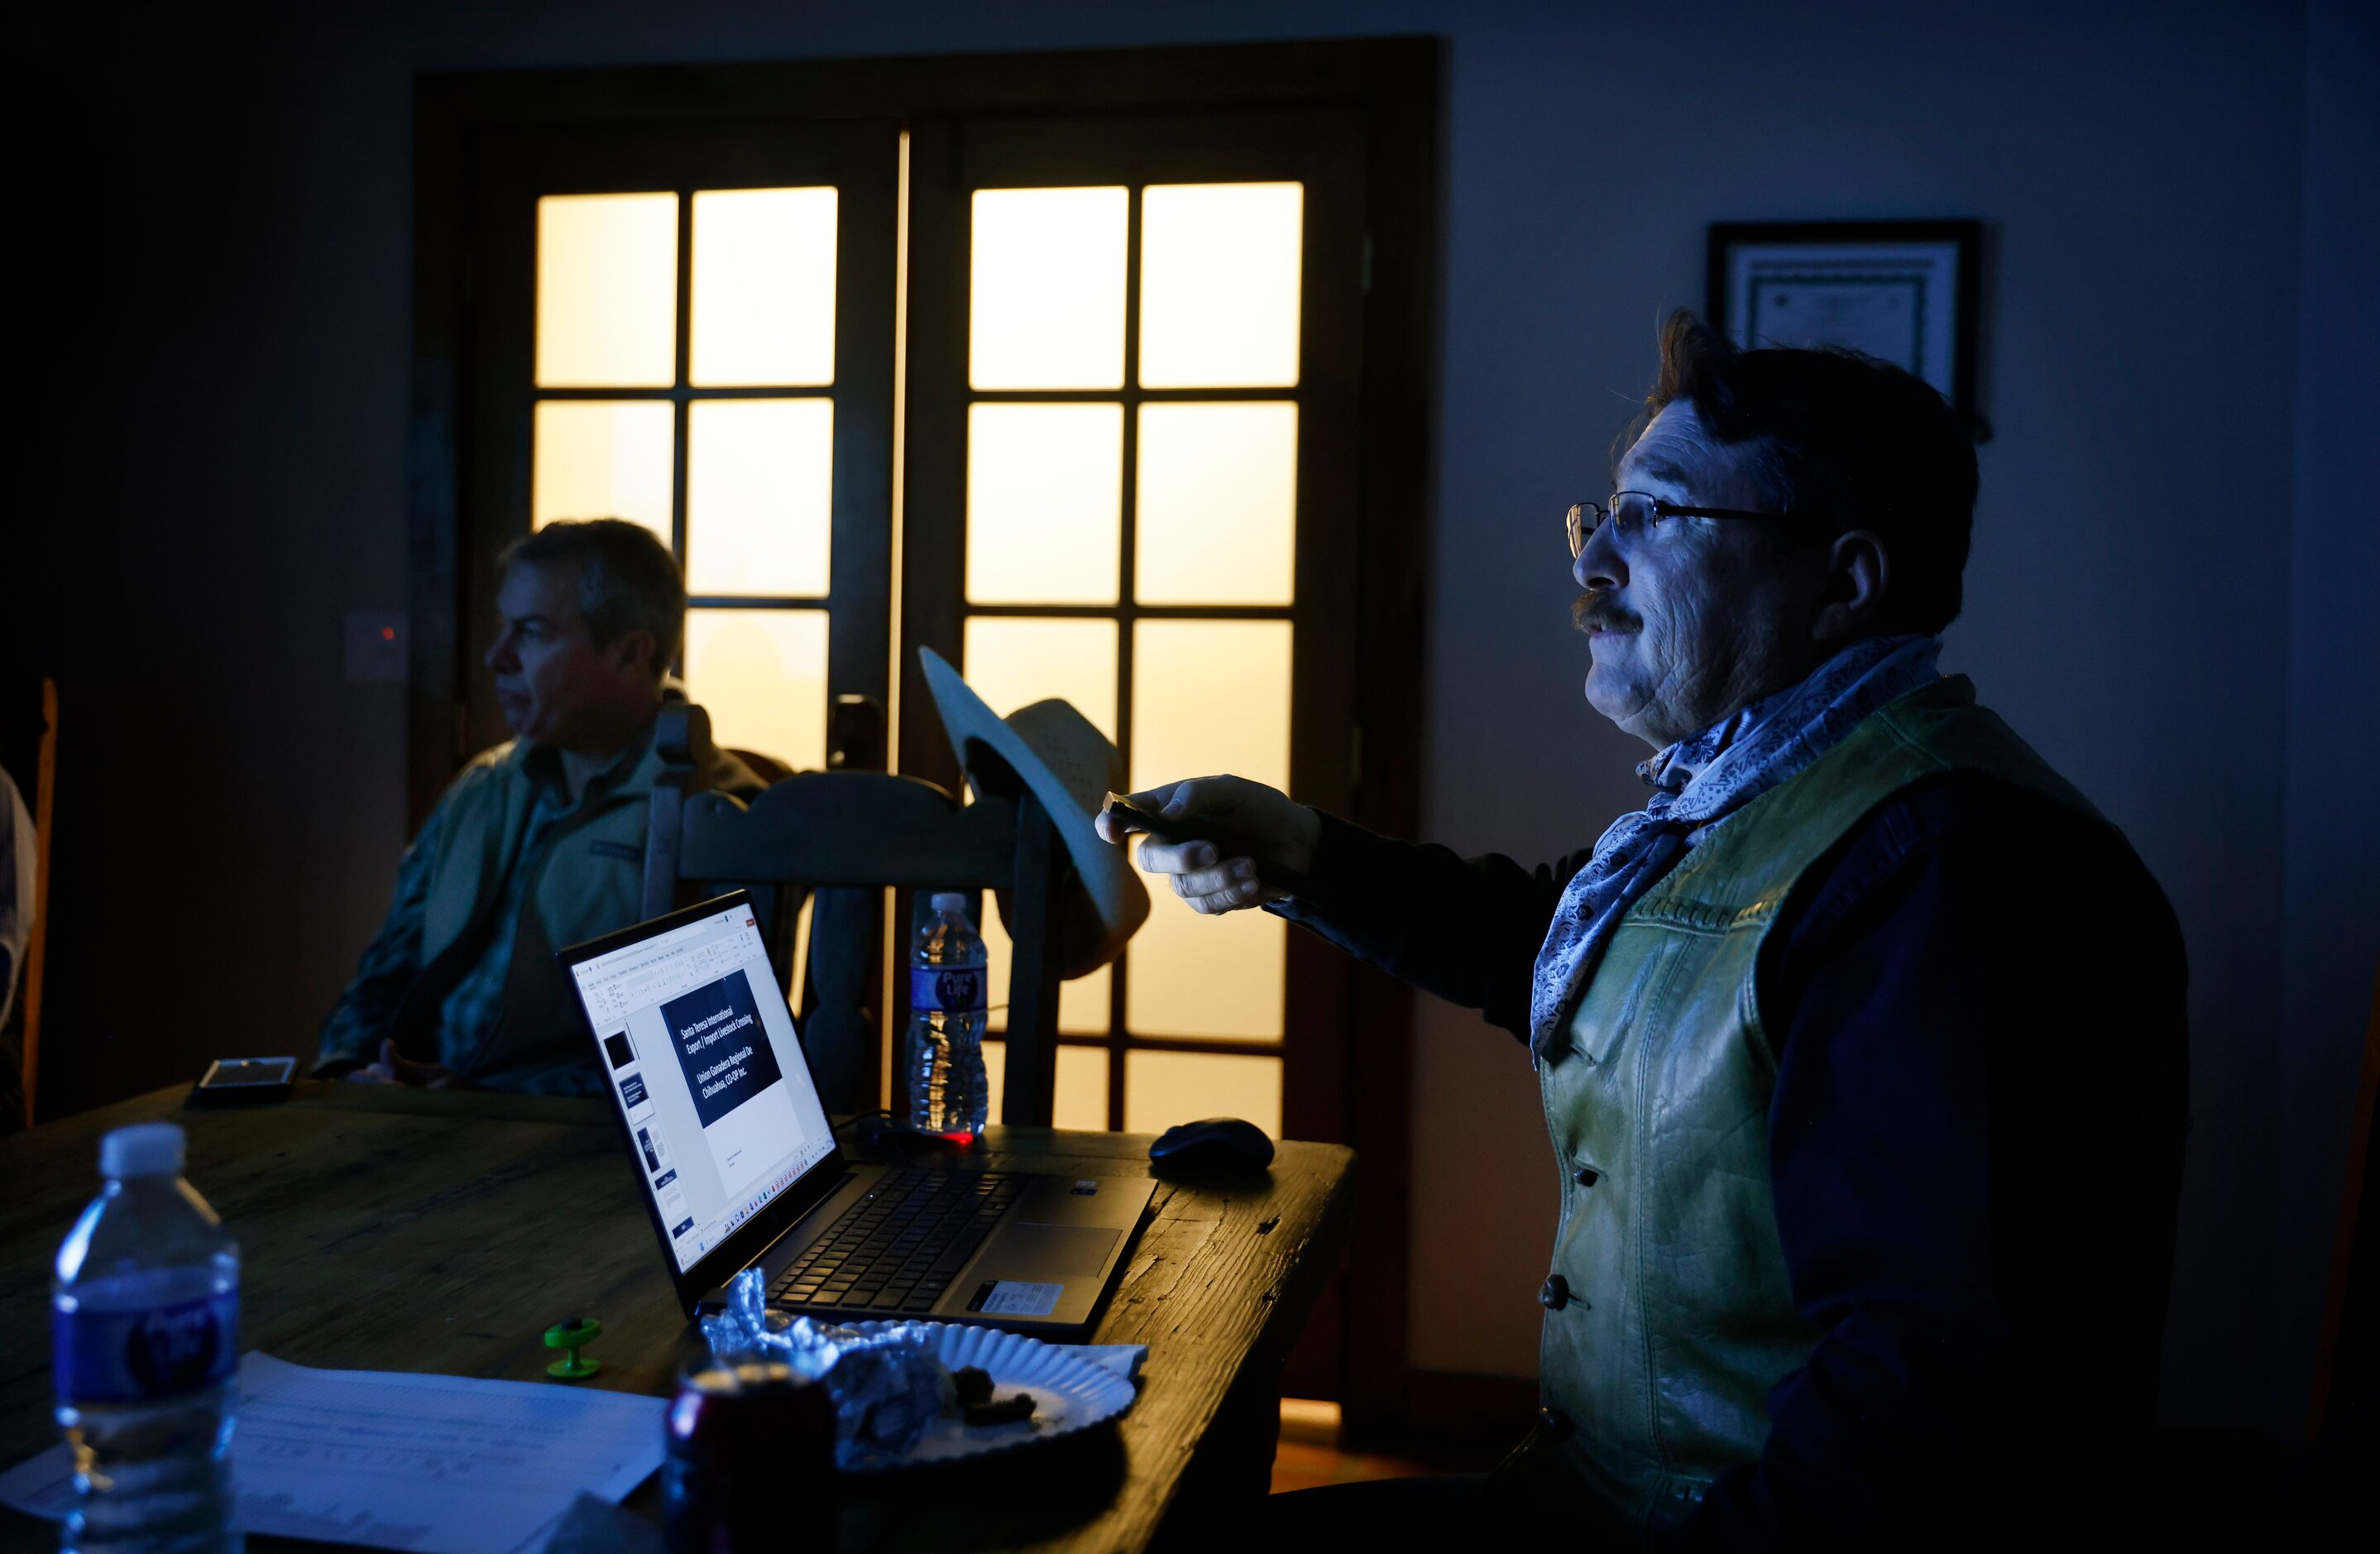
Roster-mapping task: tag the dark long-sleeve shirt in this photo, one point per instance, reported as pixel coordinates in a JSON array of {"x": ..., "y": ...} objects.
[{"x": 1974, "y": 1144}]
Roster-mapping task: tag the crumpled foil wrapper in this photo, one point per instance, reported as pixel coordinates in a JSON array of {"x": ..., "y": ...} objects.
[{"x": 887, "y": 1388}]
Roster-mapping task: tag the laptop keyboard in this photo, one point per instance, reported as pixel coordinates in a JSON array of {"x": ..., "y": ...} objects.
[{"x": 898, "y": 1248}]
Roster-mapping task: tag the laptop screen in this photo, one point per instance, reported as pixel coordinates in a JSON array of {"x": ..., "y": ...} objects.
[{"x": 699, "y": 1043}]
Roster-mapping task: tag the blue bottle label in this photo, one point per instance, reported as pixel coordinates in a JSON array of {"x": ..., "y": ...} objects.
[
  {"x": 125, "y": 1357},
  {"x": 952, "y": 989}
]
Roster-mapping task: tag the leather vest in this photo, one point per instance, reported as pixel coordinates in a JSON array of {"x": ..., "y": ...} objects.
[{"x": 1669, "y": 1314}]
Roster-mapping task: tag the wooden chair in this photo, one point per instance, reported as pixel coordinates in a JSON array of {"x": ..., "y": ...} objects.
[
  {"x": 838, "y": 839},
  {"x": 28, "y": 749}
]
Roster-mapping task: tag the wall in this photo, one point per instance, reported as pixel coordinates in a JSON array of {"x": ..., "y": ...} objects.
[
  {"x": 2331, "y": 827},
  {"x": 2134, "y": 609}
]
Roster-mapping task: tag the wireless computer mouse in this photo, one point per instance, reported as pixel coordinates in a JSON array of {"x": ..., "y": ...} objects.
[{"x": 1217, "y": 1144}]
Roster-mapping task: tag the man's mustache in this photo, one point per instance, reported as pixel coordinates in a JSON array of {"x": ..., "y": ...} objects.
[{"x": 1598, "y": 612}]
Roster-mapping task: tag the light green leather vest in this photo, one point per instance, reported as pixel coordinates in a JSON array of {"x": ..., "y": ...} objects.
[{"x": 1680, "y": 1316}]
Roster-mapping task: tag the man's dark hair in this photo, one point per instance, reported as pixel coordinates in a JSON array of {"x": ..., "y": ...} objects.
[
  {"x": 1843, "y": 437},
  {"x": 627, "y": 579}
]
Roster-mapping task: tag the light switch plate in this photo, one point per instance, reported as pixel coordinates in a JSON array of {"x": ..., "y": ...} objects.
[{"x": 376, "y": 646}]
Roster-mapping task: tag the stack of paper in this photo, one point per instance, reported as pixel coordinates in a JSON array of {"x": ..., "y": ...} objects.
[{"x": 442, "y": 1464}]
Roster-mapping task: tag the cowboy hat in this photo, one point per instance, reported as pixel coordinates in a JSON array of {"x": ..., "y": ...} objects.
[{"x": 1069, "y": 766}]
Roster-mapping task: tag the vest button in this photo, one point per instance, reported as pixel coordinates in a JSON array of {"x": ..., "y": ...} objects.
[
  {"x": 1554, "y": 1422},
  {"x": 1586, "y": 1176},
  {"x": 1554, "y": 1294}
]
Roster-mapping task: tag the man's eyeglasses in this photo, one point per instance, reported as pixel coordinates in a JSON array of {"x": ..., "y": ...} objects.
[{"x": 1635, "y": 514}]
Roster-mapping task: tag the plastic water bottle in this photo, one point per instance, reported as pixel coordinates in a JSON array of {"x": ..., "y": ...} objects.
[
  {"x": 144, "y": 1325},
  {"x": 947, "y": 1093}
]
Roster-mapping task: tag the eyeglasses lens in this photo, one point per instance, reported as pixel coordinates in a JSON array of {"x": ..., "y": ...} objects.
[{"x": 1632, "y": 512}]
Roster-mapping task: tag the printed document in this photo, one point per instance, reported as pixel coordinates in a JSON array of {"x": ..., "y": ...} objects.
[{"x": 447, "y": 1464}]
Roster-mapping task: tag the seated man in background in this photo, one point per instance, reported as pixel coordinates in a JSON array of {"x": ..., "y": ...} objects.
[
  {"x": 539, "y": 843},
  {"x": 1861, "y": 1046}
]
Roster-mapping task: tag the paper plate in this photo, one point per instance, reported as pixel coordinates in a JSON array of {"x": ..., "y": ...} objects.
[{"x": 1070, "y": 1394}]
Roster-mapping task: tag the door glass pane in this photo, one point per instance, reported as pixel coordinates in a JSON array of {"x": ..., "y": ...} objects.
[
  {"x": 1161, "y": 1089},
  {"x": 1082, "y": 1003},
  {"x": 1045, "y": 503},
  {"x": 1219, "y": 279},
  {"x": 1208, "y": 696},
  {"x": 762, "y": 676},
  {"x": 1215, "y": 518},
  {"x": 1046, "y": 289},
  {"x": 1013, "y": 661},
  {"x": 602, "y": 459},
  {"x": 1079, "y": 1090},
  {"x": 764, "y": 298},
  {"x": 759, "y": 490},
  {"x": 607, "y": 291}
]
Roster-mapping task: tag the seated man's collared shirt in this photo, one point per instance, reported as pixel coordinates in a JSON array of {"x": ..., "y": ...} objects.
[{"x": 468, "y": 1014}]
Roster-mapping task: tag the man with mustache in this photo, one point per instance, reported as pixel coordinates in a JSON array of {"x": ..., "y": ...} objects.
[
  {"x": 1861, "y": 1046},
  {"x": 540, "y": 842}
]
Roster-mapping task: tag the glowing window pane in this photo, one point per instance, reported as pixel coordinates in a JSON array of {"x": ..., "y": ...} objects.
[
  {"x": 1078, "y": 1094},
  {"x": 1216, "y": 519},
  {"x": 1013, "y": 660},
  {"x": 763, "y": 300},
  {"x": 602, "y": 459},
  {"x": 1161, "y": 1089},
  {"x": 1082, "y": 1003},
  {"x": 1046, "y": 289},
  {"x": 759, "y": 490},
  {"x": 607, "y": 291},
  {"x": 1208, "y": 696},
  {"x": 762, "y": 676},
  {"x": 1045, "y": 503},
  {"x": 1218, "y": 282}
]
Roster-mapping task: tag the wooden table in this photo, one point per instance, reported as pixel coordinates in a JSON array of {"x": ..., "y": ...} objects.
[{"x": 442, "y": 1230}]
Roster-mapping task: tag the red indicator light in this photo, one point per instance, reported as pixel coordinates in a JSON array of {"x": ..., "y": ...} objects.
[{"x": 388, "y": 634}]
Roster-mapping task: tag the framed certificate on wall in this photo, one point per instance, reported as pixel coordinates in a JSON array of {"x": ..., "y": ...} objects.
[{"x": 1903, "y": 292}]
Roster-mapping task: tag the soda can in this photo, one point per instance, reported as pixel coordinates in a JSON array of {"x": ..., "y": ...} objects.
[{"x": 750, "y": 1462}]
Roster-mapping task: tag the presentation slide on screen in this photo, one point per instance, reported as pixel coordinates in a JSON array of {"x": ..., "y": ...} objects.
[
  {"x": 738, "y": 1089},
  {"x": 729, "y": 1119}
]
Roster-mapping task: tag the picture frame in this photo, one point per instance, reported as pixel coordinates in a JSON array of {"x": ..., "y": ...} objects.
[{"x": 1903, "y": 291}]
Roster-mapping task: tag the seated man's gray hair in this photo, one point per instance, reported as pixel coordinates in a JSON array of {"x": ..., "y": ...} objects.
[{"x": 627, "y": 579}]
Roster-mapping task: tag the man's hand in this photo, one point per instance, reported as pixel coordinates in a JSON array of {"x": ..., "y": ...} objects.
[
  {"x": 394, "y": 1070},
  {"x": 1287, "y": 830}
]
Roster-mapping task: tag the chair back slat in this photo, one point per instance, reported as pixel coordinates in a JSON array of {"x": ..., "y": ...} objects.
[
  {"x": 850, "y": 827},
  {"x": 841, "y": 1004}
]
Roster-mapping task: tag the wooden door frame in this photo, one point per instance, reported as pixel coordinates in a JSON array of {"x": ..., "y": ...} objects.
[{"x": 1394, "y": 83}]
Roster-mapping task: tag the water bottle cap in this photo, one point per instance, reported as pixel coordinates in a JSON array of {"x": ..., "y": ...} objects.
[
  {"x": 142, "y": 1149},
  {"x": 949, "y": 900}
]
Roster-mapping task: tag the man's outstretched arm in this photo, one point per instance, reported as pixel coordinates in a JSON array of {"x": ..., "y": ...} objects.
[{"x": 1467, "y": 929}]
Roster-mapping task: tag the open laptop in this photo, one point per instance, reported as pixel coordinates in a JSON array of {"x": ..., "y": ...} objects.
[{"x": 741, "y": 1170}]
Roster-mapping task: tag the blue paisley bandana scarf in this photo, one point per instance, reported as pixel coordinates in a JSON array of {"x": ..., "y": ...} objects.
[{"x": 1697, "y": 783}]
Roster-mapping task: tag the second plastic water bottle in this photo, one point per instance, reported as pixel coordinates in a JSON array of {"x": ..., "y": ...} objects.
[
  {"x": 943, "y": 1052},
  {"x": 145, "y": 1319}
]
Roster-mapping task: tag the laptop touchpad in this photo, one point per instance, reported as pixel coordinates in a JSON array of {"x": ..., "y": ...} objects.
[{"x": 1024, "y": 1251}]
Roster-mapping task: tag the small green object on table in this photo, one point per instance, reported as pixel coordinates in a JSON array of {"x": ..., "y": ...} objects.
[{"x": 570, "y": 1336}]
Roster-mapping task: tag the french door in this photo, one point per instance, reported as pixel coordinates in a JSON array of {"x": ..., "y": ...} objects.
[
  {"x": 1103, "y": 374},
  {"x": 1132, "y": 353}
]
